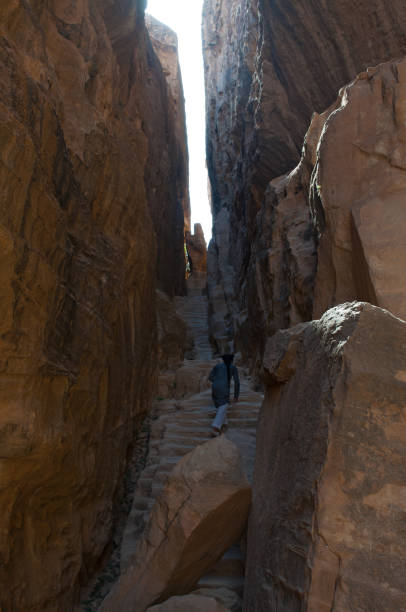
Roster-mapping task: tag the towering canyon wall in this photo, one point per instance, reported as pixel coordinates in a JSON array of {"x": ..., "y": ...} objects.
[
  {"x": 268, "y": 67},
  {"x": 328, "y": 495},
  {"x": 168, "y": 199},
  {"x": 87, "y": 141}
]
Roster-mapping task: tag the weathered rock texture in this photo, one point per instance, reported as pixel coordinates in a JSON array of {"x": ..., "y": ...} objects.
[
  {"x": 358, "y": 194},
  {"x": 327, "y": 525},
  {"x": 79, "y": 142},
  {"x": 268, "y": 66},
  {"x": 201, "y": 512},
  {"x": 165, "y": 44},
  {"x": 172, "y": 334},
  {"x": 334, "y": 229}
]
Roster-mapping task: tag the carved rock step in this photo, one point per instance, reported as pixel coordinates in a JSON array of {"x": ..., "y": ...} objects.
[
  {"x": 182, "y": 430},
  {"x": 141, "y": 503},
  {"x": 194, "y": 311},
  {"x": 231, "y": 564},
  {"x": 181, "y": 426},
  {"x": 242, "y": 420},
  {"x": 214, "y": 581}
]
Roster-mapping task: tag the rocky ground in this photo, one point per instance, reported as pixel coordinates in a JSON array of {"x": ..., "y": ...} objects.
[{"x": 177, "y": 425}]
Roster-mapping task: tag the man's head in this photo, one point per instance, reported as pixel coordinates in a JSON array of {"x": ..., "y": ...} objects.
[{"x": 228, "y": 359}]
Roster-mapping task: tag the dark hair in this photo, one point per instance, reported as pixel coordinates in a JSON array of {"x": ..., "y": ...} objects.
[{"x": 228, "y": 360}]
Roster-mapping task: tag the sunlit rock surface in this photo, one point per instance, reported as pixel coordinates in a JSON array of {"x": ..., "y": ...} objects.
[
  {"x": 334, "y": 228},
  {"x": 358, "y": 194},
  {"x": 79, "y": 137},
  {"x": 327, "y": 524}
]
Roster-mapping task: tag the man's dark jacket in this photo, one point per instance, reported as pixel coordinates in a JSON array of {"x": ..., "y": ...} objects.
[{"x": 221, "y": 384}]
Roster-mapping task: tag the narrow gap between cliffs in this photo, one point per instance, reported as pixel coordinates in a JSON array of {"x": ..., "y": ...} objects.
[{"x": 184, "y": 18}]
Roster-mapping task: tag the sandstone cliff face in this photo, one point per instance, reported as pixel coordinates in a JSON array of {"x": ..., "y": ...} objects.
[
  {"x": 78, "y": 329},
  {"x": 166, "y": 125},
  {"x": 326, "y": 529},
  {"x": 334, "y": 228},
  {"x": 268, "y": 67},
  {"x": 358, "y": 194}
]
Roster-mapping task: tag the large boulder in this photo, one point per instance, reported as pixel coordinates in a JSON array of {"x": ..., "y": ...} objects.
[
  {"x": 201, "y": 512},
  {"x": 327, "y": 524}
]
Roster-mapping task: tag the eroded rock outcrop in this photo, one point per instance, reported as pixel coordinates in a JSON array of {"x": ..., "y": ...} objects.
[
  {"x": 201, "y": 512},
  {"x": 78, "y": 139},
  {"x": 334, "y": 228},
  {"x": 329, "y": 489},
  {"x": 358, "y": 194},
  {"x": 269, "y": 66}
]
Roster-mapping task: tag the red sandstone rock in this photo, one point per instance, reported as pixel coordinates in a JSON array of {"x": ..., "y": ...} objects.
[
  {"x": 198, "y": 516},
  {"x": 78, "y": 269},
  {"x": 165, "y": 44},
  {"x": 268, "y": 67},
  {"x": 172, "y": 334},
  {"x": 167, "y": 165},
  {"x": 327, "y": 524},
  {"x": 358, "y": 194},
  {"x": 350, "y": 181}
]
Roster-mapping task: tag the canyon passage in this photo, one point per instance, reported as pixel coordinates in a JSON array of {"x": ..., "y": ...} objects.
[{"x": 114, "y": 494}]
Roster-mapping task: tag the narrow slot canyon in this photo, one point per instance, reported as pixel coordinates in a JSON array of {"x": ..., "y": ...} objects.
[{"x": 119, "y": 491}]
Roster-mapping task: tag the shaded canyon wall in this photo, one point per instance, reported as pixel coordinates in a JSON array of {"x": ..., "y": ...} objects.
[
  {"x": 333, "y": 229},
  {"x": 322, "y": 241},
  {"x": 166, "y": 127},
  {"x": 268, "y": 67},
  {"x": 91, "y": 214}
]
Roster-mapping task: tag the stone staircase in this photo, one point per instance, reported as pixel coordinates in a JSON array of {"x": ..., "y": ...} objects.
[
  {"x": 178, "y": 426},
  {"x": 193, "y": 309}
]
